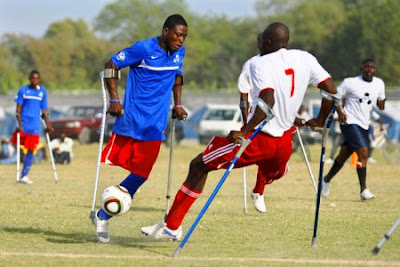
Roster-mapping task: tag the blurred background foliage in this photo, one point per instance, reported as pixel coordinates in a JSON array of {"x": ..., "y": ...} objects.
[{"x": 340, "y": 33}]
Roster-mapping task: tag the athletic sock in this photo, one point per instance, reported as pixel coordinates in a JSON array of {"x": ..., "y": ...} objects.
[
  {"x": 182, "y": 203},
  {"x": 260, "y": 185},
  {"x": 332, "y": 172},
  {"x": 27, "y": 164},
  {"x": 132, "y": 182},
  {"x": 362, "y": 177}
]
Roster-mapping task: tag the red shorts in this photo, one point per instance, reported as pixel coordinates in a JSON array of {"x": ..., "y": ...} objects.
[
  {"x": 271, "y": 154},
  {"x": 29, "y": 141},
  {"x": 133, "y": 155}
]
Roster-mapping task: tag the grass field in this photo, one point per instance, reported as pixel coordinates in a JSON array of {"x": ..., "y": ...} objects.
[{"x": 47, "y": 224}]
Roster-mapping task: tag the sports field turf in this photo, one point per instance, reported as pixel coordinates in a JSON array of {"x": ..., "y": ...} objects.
[{"x": 47, "y": 224}]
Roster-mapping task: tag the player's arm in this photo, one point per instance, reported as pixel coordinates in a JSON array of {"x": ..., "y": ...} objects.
[
  {"x": 179, "y": 111},
  {"x": 111, "y": 77},
  {"x": 381, "y": 104},
  {"x": 267, "y": 96},
  {"x": 18, "y": 117},
  {"x": 45, "y": 117},
  {"x": 244, "y": 106}
]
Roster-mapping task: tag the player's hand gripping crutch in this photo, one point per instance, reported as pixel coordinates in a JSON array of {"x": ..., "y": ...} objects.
[
  {"x": 328, "y": 123},
  {"x": 53, "y": 165},
  {"x": 387, "y": 235},
  {"x": 306, "y": 159},
  {"x": 18, "y": 155},
  {"x": 101, "y": 139},
  {"x": 244, "y": 144}
]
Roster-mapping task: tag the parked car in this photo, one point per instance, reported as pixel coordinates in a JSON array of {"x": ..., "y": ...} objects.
[
  {"x": 80, "y": 122},
  {"x": 179, "y": 134},
  {"x": 219, "y": 120}
]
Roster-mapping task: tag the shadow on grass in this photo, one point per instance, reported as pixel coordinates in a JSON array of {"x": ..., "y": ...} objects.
[{"x": 143, "y": 243}]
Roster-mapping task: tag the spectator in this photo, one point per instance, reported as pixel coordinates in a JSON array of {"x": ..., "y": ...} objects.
[{"x": 62, "y": 149}]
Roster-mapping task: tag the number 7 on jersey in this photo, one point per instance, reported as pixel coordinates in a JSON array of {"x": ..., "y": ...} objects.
[{"x": 291, "y": 72}]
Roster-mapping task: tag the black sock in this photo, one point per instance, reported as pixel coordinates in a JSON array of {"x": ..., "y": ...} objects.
[
  {"x": 362, "y": 177},
  {"x": 332, "y": 172}
]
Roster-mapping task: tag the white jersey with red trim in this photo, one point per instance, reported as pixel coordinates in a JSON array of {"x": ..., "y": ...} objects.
[
  {"x": 361, "y": 96},
  {"x": 288, "y": 73}
]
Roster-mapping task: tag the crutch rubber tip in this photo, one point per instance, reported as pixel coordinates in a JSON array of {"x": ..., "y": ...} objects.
[
  {"x": 314, "y": 243},
  {"x": 177, "y": 251},
  {"x": 375, "y": 251}
]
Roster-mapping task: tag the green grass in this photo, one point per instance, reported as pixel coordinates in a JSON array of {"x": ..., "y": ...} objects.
[{"x": 47, "y": 224}]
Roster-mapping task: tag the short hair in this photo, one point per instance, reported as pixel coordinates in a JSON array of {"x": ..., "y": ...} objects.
[
  {"x": 33, "y": 73},
  {"x": 367, "y": 60},
  {"x": 173, "y": 20}
]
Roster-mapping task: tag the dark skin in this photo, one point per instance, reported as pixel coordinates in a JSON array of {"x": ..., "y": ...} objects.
[
  {"x": 170, "y": 40},
  {"x": 275, "y": 37},
  {"x": 34, "y": 83},
  {"x": 368, "y": 70}
]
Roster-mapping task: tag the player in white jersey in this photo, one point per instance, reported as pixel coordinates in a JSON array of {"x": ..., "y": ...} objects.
[
  {"x": 360, "y": 94},
  {"x": 279, "y": 78}
]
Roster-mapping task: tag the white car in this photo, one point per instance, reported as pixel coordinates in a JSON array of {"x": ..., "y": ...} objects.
[{"x": 219, "y": 120}]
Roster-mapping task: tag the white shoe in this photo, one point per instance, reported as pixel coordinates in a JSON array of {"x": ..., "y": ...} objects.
[
  {"x": 329, "y": 161},
  {"x": 366, "y": 194},
  {"x": 325, "y": 189},
  {"x": 25, "y": 180},
  {"x": 371, "y": 160},
  {"x": 161, "y": 231},
  {"x": 101, "y": 230},
  {"x": 258, "y": 201}
]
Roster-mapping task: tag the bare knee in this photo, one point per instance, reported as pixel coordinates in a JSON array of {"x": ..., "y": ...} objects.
[{"x": 197, "y": 176}]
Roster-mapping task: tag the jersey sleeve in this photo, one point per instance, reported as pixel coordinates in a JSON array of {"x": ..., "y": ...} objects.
[
  {"x": 259, "y": 81},
  {"x": 19, "y": 98},
  {"x": 244, "y": 82},
  {"x": 43, "y": 103},
  {"x": 381, "y": 95},
  {"x": 129, "y": 56},
  {"x": 318, "y": 73},
  {"x": 342, "y": 89}
]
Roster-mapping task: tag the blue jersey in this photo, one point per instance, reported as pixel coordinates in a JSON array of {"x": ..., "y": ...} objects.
[
  {"x": 148, "y": 89},
  {"x": 33, "y": 101}
]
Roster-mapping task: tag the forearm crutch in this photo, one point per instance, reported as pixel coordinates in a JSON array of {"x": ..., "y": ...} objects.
[
  {"x": 328, "y": 123},
  {"x": 101, "y": 140},
  {"x": 244, "y": 144},
  {"x": 306, "y": 159},
  {"x": 245, "y": 190},
  {"x": 387, "y": 235},
  {"x": 171, "y": 154},
  {"x": 18, "y": 155},
  {"x": 53, "y": 165}
]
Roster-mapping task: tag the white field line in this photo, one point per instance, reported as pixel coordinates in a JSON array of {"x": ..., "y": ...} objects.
[{"x": 196, "y": 259}]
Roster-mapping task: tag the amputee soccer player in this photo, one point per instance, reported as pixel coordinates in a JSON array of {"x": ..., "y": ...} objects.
[
  {"x": 360, "y": 94},
  {"x": 280, "y": 78},
  {"x": 246, "y": 91},
  {"x": 31, "y": 106},
  {"x": 155, "y": 69}
]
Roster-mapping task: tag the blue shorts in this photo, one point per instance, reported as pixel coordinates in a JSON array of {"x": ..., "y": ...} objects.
[{"x": 355, "y": 137}]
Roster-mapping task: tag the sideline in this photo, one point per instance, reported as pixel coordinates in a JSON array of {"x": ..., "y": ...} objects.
[{"x": 204, "y": 259}]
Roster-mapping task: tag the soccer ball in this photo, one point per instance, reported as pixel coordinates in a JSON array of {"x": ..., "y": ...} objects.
[{"x": 116, "y": 200}]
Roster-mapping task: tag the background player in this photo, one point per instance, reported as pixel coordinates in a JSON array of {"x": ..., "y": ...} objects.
[
  {"x": 31, "y": 105},
  {"x": 280, "y": 78},
  {"x": 360, "y": 95},
  {"x": 155, "y": 70}
]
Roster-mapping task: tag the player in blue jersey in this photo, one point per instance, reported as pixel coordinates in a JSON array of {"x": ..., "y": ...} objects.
[
  {"x": 31, "y": 106},
  {"x": 155, "y": 70}
]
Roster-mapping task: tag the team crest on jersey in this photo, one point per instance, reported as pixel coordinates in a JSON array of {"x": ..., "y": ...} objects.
[
  {"x": 121, "y": 56},
  {"x": 176, "y": 59},
  {"x": 41, "y": 94}
]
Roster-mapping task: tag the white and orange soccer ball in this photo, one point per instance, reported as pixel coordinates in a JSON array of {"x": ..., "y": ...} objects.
[{"x": 116, "y": 200}]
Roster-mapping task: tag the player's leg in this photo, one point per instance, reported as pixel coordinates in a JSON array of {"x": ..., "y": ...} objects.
[
  {"x": 362, "y": 153},
  {"x": 30, "y": 143}
]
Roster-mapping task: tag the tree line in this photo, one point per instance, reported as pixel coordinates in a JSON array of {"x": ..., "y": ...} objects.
[{"x": 340, "y": 33}]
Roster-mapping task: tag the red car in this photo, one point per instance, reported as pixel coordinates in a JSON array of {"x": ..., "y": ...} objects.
[{"x": 80, "y": 122}]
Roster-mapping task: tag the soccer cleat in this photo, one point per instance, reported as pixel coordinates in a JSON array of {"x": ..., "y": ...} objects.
[
  {"x": 329, "y": 161},
  {"x": 25, "y": 180},
  {"x": 161, "y": 231},
  {"x": 258, "y": 201},
  {"x": 325, "y": 189},
  {"x": 372, "y": 160},
  {"x": 102, "y": 230},
  {"x": 366, "y": 194}
]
